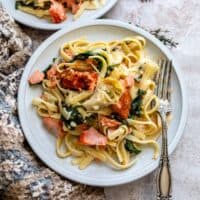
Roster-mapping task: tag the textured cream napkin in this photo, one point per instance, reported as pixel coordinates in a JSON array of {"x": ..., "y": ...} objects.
[{"x": 22, "y": 174}]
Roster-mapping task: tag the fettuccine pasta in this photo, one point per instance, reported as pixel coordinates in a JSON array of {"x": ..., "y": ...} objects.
[{"x": 98, "y": 99}]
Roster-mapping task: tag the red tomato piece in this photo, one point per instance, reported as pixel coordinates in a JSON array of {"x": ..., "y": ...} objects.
[{"x": 92, "y": 137}]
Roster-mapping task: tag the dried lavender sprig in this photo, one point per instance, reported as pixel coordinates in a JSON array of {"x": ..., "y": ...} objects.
[
  {"x": 161, "y": 35},
  {"x": 145, "y": 1}
]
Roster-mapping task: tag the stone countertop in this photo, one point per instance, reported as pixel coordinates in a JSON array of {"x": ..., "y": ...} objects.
[{"x": 182, "y": 19}]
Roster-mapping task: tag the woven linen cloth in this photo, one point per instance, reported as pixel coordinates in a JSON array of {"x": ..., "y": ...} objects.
[{"x": 22, "y": 175}]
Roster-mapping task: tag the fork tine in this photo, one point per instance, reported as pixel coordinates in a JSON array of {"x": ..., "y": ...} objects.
[
  {"x": 169, "y": 83},
  {"x": 166, "y": 85},
  {"x": 156, "y": 78},
  {"x": 165, "y": 79},
  {"x": 160, "y": 79}
]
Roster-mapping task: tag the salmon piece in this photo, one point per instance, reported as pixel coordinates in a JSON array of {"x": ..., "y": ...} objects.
[
  {"x": 74, "y": 5},
  {"x": 69, "y": 52},
  {"x": 84, "y": 66},
  {"x": 82, "y": 127},
  {"x": 97, "y": 160},
  {"x": 122, "y": 108},
  {"x": 75, "y": 80},
  {"x": 54, "y": 126},
  {"x": 75, "y": 8},
  {"x": 51, "y": 72},
  {"x": 36, "y": 77},
  {"x": 90, "y": 61},
  {"x": 92, "y": 137},
  {"x": 69, "y": 3},
  {"x": 107, "y": 122},
  {"x": 53, "y": 82},
  {"x": 128, "y": 81},
  {"x": 52, "y": 76},
  {"x": 57, "y": 12}
]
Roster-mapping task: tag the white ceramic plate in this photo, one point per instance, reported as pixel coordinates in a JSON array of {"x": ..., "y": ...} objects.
[
  {"x": 44, "y": 24},
  {"x": 43, "y": 143}
]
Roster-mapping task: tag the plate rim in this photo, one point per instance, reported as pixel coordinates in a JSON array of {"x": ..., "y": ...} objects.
[
  {"x": 156, "y": 42},
  {"x": 51, "y": 27}
]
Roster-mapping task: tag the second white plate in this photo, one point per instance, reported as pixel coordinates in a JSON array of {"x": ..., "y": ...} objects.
[
  {"x": 43, "y": 143},
  {"x": 35, "y": 22}
]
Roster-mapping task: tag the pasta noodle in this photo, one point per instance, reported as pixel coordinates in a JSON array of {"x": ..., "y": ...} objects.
[{"x": 98, "y": 98}]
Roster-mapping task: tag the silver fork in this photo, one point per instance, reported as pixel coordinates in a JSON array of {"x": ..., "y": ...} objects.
[{"x": 163, "y": 82}]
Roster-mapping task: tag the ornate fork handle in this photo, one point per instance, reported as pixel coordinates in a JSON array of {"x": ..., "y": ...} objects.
[{"x": 164, "y": 174}]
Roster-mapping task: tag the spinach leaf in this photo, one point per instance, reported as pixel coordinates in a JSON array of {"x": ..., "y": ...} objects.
[
  {"x": 47, "y": 5},
  {"x": 17, "y": 5},
  {"x": 99, "y": 64},
  {"x": 83, "y": 56},
  {"x": 138, "y": 78},
  {"x": 118, "y": 118},
  {"x": 99, "y": 54},
  {"x": 109, "y": 70},
  {"x": 91, "y": 120},
  {"x": 48, "y": 67},
  {"x": 54, "y": 59},
  {"x": 45, "y": 71},
  {"x": 86, "y": 55},
  {"x": 30, "y": 4},
  {"x": 74, "y": 117},
  {"x": 131, "y": 147},
  {"x": 136, "y": 104}
]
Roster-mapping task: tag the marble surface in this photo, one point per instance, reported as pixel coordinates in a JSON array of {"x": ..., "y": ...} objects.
[{"x": 182, "y": 19}]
